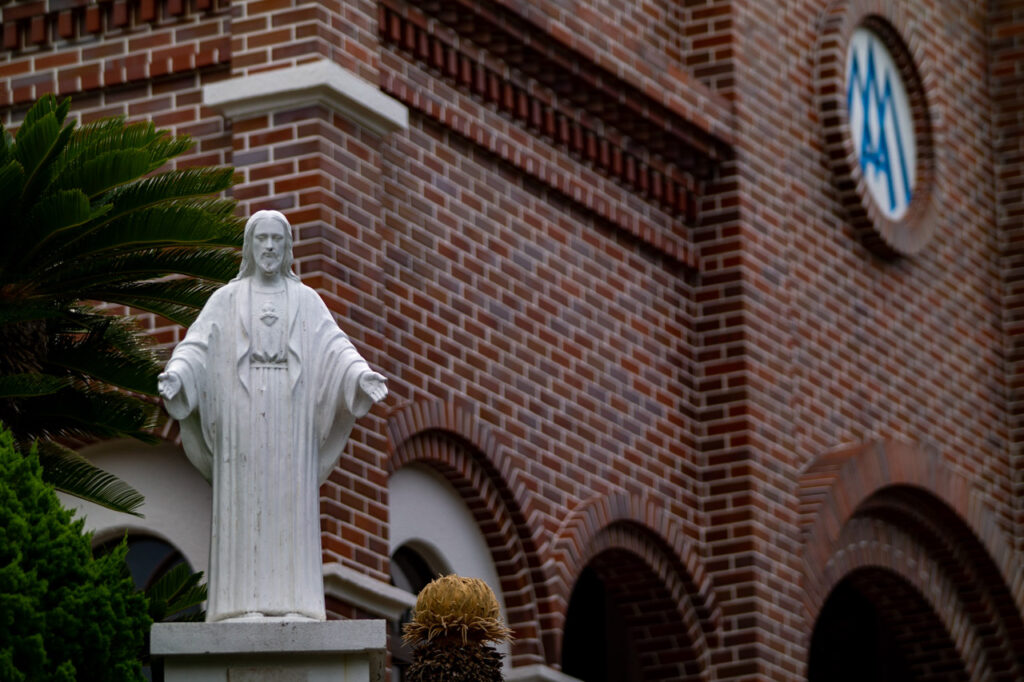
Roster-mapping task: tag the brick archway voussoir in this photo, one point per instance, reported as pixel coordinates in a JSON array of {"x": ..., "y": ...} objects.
[{"x": 597, "y": 525}]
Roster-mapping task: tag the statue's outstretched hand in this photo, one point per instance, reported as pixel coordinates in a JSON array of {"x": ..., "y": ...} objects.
[
  {"x": 374, "y": 385},
  {"x": 169, "y": 384}
]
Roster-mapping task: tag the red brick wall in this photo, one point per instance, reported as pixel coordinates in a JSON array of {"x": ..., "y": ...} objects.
[
  {"x": 1007, "y": 39},
  {"x": 621, "y": 306}
]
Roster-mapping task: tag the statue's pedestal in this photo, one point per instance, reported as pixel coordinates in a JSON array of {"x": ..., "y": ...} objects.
[{"x": 340, "y": 651}]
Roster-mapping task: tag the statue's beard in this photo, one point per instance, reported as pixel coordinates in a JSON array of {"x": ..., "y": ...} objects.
[{"x": 270, "y": 263}]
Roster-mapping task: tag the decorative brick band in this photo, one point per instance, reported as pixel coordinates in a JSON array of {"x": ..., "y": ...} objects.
[
  {"x": 36, "y": 24},
  {"x": 593, "y": 115}
]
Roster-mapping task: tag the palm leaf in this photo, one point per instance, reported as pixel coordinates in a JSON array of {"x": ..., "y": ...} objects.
[
  {"x": 103, "y": 172},
  {"x": 98, "y": 360},
  {"x": 56, "y": 213},
  {"x": 12, "y": 181},
  {"x": 24, "y": 309},
  {"x": 36, "y": 149},
  {"x": 218, "y": 265},
  {"x": 25, "y": 385},
  {"x": 105, "y": 348},
  {"x": 71, "y": 473},
  {"x": 85, "y": 412},
  {"x": 174, "y": 593},
  {"x": 176, "y": 300},
  {"x": 90, "y": 222},
  {"x": 163, "y": 187},
  {"x": 115, "y": 135},
  {"x": 197, "y": 222}
]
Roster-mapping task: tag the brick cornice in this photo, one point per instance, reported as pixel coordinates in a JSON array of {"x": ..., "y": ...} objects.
[
  {"x": 620, "y": 129},
  {"x": 29, "y": 25}
]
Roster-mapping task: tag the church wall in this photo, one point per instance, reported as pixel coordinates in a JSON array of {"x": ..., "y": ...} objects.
[{"x": 699, "y": 331}]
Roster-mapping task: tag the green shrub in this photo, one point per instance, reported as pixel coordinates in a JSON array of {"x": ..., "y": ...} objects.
[{"x": 63, "y": 614}]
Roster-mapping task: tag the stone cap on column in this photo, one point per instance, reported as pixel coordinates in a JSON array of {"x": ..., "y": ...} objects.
[
  {"x": 321, "y": 82},
  {"x": 230, "y": 638},
  {"x": 342, "y": 650}
]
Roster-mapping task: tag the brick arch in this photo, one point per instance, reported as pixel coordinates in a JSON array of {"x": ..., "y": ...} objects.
[
  {"x": 450, "y": 440},
  {"x": 643, "y": 529},
  {"x": 872, "y": 543},
  {"x": 834, "y": 486},
  {"x": 912, "y": 640},
  {"x": 897, "y": 507}
]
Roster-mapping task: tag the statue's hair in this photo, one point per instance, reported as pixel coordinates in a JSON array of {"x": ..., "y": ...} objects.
[{"x": 248, "y": 267}]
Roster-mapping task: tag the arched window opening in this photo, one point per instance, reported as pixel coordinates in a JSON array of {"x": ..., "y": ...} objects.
[
  {"x": 149, "y": 558},
  {"x": 429, "y": 519},
  {"x": 876, "y": 626},
  {"x": 411, "y": 570},
  {"x": 621, "y": 620},
  {"x": 595, "y": 646}
]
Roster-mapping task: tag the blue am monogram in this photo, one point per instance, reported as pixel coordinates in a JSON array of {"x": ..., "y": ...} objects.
[{"x": 882, "y": 149}]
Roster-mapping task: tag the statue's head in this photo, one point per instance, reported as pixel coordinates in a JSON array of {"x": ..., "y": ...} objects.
[{"x": 257, "y": 229}]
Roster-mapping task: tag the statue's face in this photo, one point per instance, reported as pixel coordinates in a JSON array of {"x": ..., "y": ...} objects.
[{"x": 268, "y": 244}]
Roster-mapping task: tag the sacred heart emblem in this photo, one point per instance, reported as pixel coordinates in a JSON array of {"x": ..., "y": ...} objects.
[{"x": 268, "y": 314}]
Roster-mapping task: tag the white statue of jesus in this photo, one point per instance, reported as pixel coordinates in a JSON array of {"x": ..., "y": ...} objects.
[{"x": 266, "y": 388}]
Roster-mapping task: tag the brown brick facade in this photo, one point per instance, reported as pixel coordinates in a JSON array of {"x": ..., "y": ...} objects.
[{"x": 625, "y": 307}]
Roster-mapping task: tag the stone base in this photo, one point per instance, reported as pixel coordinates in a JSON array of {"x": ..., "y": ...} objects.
[{"x": 340, "y": 651}]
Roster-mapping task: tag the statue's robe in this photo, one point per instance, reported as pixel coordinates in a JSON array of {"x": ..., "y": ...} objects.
[{"x": 265, "y": 411}]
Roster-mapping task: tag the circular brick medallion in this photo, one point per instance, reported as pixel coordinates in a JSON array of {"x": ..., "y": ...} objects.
[{"x": 877, "y": 130}]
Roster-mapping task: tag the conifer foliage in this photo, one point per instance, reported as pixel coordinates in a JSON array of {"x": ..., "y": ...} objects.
[
  {"x": 64, "y": 615},
  {"x": 91, "y": 214}
]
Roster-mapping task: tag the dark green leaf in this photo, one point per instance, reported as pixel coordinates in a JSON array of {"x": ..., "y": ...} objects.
[
  {"x": 197, "y": 222},
  {"x": 101, "y": 173},
  {"x": 214, "y": 264},
  {"x": 101, "y": 356},
  {"x": 176, "y": 300},
  {"x": 164, "y": 187},
  {"x": 89, "y": 411},
  {"x": 176, "y": 592},
  {"x": 73, "y": 474},
  {"x": 45, "y": 105},
  {"x": 37, "y": 155},
  {"x": 24, "y": 385},
  {"x": 60, "y": 211},
  {"x": 12, "y": 182}
]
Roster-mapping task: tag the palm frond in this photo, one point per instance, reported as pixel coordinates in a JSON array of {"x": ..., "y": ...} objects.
[
  {"x": 116, "y": 135},
  {"x": 94, "y": 215},
  {"x": 47, "y": 104},
  {"x": 25, "y": 385},
  {"x": 175, "y": 593},
  {"x": 56, "y": 213},
  {"x": 177, "y": 300},
  {"x": 12, "y": 181},
  {"x": 112, "y": 351},
  {"x": 103, "y": 172},
  {"x": 167, "y": 186},
  {"x": 38, "y": 145},
  {"x": 213, "y": 264},
  {"x": 198, "y": 221},
  {"x": 71, "y": 473},
  {"x": 84, "y": 412},
  {"x": 17, "y": 310}
]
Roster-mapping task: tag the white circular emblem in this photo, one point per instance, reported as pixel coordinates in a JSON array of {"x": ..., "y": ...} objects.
[{"x": 881, "y": 124}]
